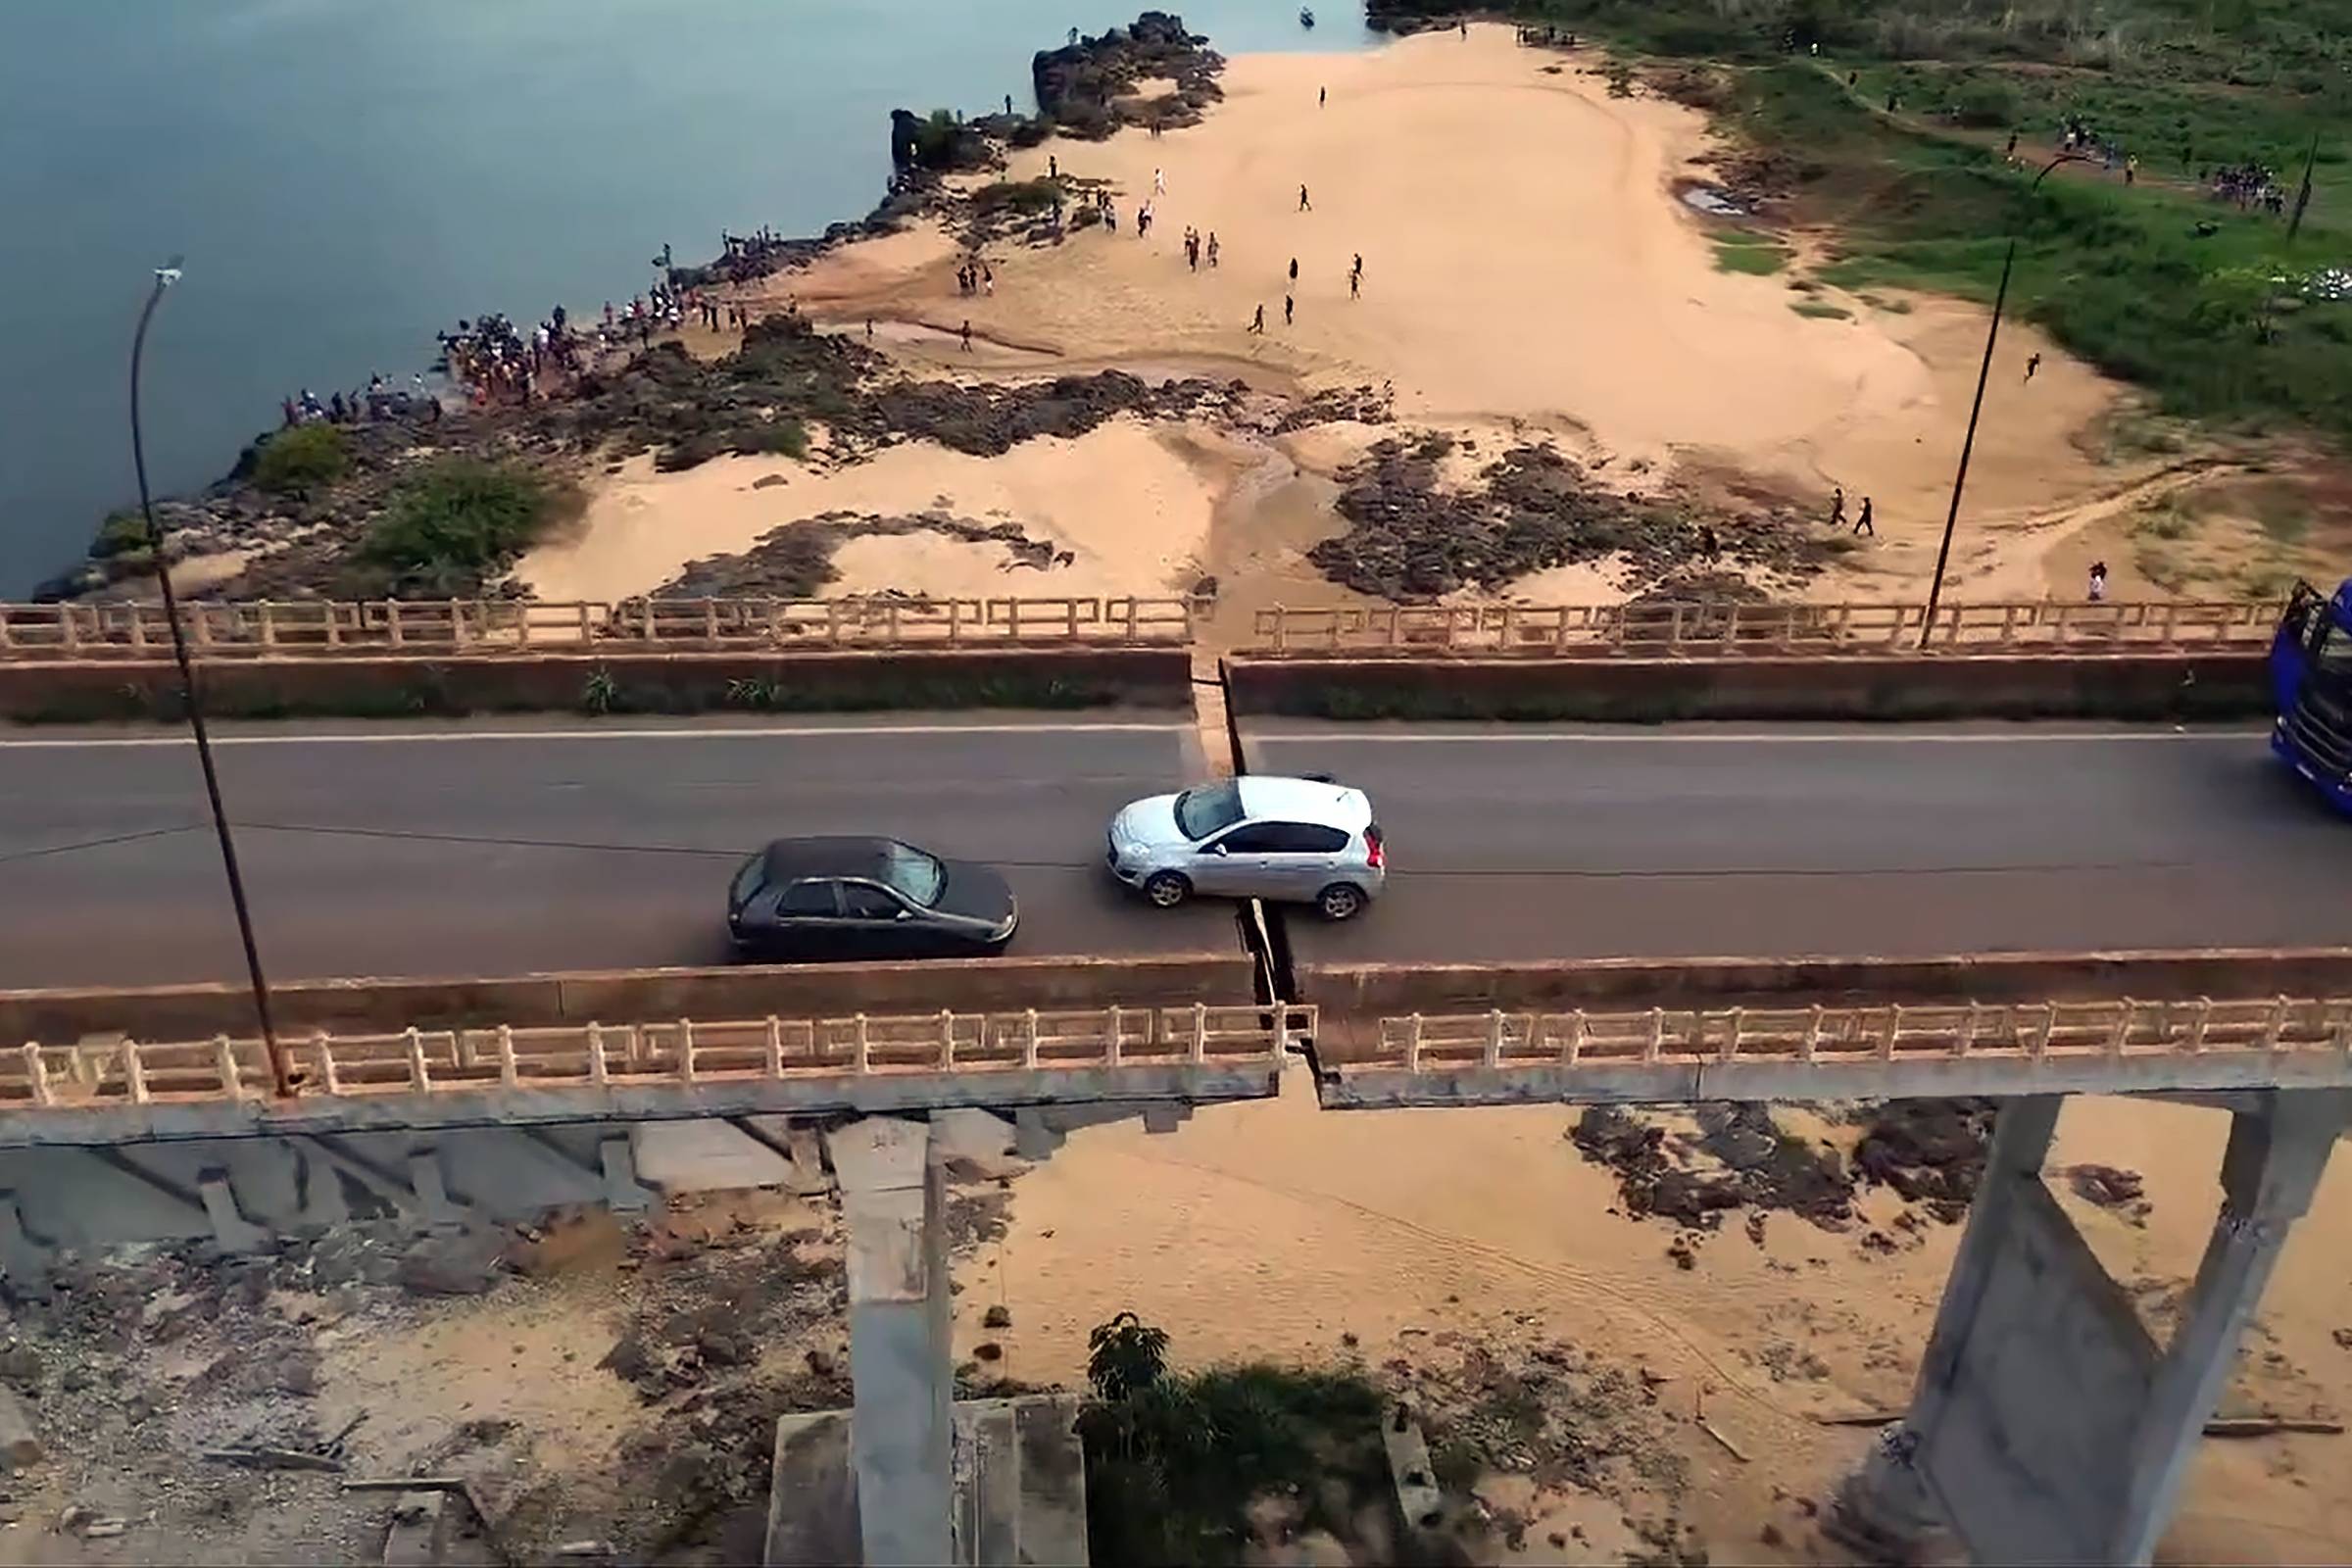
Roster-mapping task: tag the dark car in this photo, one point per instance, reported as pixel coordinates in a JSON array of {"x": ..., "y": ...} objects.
[{"x": 848, "y": 898}]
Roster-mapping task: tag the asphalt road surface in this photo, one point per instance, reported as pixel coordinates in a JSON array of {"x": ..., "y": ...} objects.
[
  {"x": 502, "y": 849},
  {"x": 1513, "y": 844}
]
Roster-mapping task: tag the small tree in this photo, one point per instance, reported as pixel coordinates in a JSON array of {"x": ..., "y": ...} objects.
[{"x": 1125, "y": 1356}]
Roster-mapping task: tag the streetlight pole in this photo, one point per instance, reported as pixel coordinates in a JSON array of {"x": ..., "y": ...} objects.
[
  {"x": 165, "y": 278},
  {"x": 1968, "y": 444}
]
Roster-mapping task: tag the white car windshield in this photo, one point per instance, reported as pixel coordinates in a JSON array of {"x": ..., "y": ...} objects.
[{"x": 1208, "y": 808}]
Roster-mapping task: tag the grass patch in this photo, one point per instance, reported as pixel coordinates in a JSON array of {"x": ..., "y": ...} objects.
[
  {"x": 455, "y": 527},
  {"x": 1175, "y": 1458},
  {"x": 1759, "y": 257},
  {"x": 1822, "y": 310},
  {"x": 299, "y": 460}
]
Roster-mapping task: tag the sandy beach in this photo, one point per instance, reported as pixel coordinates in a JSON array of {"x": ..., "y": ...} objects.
[{"x": 1529, "y": 272}]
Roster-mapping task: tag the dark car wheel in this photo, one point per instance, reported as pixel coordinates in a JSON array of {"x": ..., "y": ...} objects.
[
  {"x": 1342, "y": 900},
  {"x": 1167, "y": 889}
]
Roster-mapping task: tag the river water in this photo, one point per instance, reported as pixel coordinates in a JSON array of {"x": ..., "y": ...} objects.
[{"x": 347, "y": 177}]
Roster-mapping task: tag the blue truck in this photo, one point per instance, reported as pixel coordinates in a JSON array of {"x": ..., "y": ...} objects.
[{"x": 2311, "y": 686}]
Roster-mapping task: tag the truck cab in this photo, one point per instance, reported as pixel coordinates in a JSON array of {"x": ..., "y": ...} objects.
[{"x": 2310, "y": 688}]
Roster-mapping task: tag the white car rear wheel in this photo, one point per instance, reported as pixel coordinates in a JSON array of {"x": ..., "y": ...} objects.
[{"x": 1341, "y": 900}]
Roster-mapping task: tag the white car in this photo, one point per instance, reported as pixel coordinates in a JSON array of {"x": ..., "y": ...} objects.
[{"x": 1297, "y": 840}]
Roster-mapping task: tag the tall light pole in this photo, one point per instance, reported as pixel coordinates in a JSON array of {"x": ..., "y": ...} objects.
[
  {"x": 165, "y": 276},
  {"x": 1969, "y": 443}
]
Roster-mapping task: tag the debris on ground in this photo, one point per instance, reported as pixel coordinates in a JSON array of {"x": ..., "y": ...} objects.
[
  {"x": 1414, "y": 537},
  {"x": 1742, "y": 1158},
  {"x": 1930, "y": 1152},
  {"x": 2110, "y": 1187}
]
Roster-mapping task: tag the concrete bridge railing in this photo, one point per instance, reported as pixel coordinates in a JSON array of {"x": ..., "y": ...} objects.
[
  {"x": 99, "y": 1092},
  {"x": 1799, "y": 1053},
  {"x": 1716, "y": 629},
  {"x": 264, "y": 628}
]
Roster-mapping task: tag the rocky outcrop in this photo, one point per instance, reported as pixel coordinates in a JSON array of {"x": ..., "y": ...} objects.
[
  {"x": 1414, "y": 537},
  {"x": 1085, "y": 87},
  {"x": 1403, "y": 17}
]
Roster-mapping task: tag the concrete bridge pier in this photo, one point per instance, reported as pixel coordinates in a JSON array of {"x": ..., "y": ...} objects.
[
  {"x": 902, "y": 1378},
  {"x": 2046, "y": 1425}
]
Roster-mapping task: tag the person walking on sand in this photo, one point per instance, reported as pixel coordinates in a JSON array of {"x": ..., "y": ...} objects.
[
  {"x": 1287, "y": 303},
  {"x": 988, "y": 279},
  {"x": 1356, "y": 283},
  {"x": 1322, "y": 94},
  {"x": 1053, "y": 166},
  {"x": 1258, "y": 323},
  {"x": 1294, "y": 269},
  {"x": 1305, "y": 205},
  {"x": 2098, "y": 582},
  {"x": 1212, "y": 247},
  {"x": 1160, "y": 182},
  {"x": 2033, "y": 364},
  {"x": 1863, "y": 523},
  {"x": 869, "y": 329},
  {"x": 968, "y": 348},
  {"x": 1838, "y": 507}
]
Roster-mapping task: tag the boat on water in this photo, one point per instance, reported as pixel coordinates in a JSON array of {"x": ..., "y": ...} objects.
[{"x": 1306, "y": 18}]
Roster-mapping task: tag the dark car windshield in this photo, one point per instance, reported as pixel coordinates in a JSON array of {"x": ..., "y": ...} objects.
[
  {"x": 1204, "y": 811},
  {"x": 748, "y": 880},
  {"x": 921, "y": 877}
]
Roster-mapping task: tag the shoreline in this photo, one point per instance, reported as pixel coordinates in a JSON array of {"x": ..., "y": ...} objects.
[{"x": 921, "y": 167}]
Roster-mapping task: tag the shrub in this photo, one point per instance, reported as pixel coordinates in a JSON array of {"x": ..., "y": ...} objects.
[
  {"x": 120, "y": 532},
  {"x": 297, "y": 462},
  {"x": 456, "y": 525}
]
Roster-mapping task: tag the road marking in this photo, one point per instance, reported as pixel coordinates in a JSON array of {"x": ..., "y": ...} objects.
[
  {"x": 1856, "y": 737},
  {"x": 762, "y": 732}
]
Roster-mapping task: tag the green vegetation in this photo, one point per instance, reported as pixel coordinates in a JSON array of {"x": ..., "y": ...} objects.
[
  {"x": 302, "y": 459},
  {"x": 1743, "y": 250},
  {"x": 2154, "y": 282},
  {"x": 1031, "y": 196},
  {"x": 1822, "y": 309},
  {"x": 1173, "y": 1459},
  {"x": 453, "y": 528},
  {"x": 122, "y": 533}
]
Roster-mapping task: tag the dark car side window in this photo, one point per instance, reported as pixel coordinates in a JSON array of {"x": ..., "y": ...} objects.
[
  {"x": 1284, "y": 838},
  {"x": 861, "y": 901},
  {"x": 812, "y": 900}
]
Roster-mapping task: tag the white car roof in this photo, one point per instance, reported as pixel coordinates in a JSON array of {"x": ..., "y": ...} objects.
[{"x": 1271, "y": 798}]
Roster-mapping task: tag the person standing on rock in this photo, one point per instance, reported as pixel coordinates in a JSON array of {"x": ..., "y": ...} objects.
[
  {"x": 967, "y": 334},
  {"x": 1863, "y": 524},
  {"x": 1305, "y": 205},
  {"x": 1258, "y": 323}
]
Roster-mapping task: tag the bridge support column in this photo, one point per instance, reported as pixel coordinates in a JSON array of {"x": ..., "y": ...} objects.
[
  {"x": 901, "y": 1437},
  {"x": 1886, "y": 1507},
  {"x": 2276, "y": 1157},
  {"x": 2046, "y": 1425}
]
